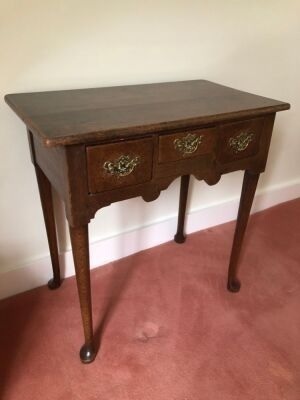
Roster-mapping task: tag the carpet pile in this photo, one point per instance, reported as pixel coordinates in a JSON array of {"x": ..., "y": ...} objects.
[{"x": 168, "y": 329}]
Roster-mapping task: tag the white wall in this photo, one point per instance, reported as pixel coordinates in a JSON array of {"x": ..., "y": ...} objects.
[{"x": 44, "y": 45}]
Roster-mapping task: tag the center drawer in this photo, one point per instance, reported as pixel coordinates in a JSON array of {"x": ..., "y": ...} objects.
[
  {"x": 115, "y": 165},
  {"x": 190, "y": 143}
]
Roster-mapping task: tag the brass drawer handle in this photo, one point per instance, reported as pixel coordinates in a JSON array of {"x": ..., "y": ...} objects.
[
  {"x": 241, "y": 142},
  {"x": 188, "y": 144},
  {"x": 123, "y": 166}
]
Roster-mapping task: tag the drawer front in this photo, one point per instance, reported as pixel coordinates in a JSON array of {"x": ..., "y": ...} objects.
[
  {"x": 240, "y": 139},
  {"x": 111, "y": 166},
  {"x": 187, "y": 144}
]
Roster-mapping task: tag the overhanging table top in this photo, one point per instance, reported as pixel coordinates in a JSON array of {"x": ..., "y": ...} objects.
[{"x": 84, "y": 115}]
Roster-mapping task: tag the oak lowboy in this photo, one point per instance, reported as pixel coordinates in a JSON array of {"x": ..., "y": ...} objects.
[{"x": 99, "y": 146}]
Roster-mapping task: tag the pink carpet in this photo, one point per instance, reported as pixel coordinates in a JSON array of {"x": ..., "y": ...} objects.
[{"x": 171, "y": 330}]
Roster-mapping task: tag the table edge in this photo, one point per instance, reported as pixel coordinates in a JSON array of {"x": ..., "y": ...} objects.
[{"x": 133, "y": 131}]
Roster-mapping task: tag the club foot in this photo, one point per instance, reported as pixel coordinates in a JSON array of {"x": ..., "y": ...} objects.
[
  {"x": 87, "y": 354},
  {"x": 179, "y": 238},
  {"x": 54, "y": 284},
  {"x": 233, "y": 285}
]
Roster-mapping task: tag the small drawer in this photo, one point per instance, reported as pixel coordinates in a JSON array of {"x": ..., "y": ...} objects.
[
  {"x": 112, "y": 166},
  {"x": 182, "y": 145},
  {"x": 240, "y": 139}
]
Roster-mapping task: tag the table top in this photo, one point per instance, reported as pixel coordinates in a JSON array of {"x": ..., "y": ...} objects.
[{"x": 85, "y": 115}]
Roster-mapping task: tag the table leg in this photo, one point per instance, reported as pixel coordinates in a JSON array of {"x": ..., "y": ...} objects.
[
  {"x": 48, "y": 211},
  {"x": 247, "y": 196},
  {"x": 80, "y": 246},
  {"x": 184, "y": 187}
]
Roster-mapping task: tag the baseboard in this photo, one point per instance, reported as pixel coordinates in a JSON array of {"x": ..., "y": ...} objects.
[{"x": 38, "y": 272}]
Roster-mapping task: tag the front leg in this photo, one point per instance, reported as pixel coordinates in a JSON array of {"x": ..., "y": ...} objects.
[
  {"x": 80, "y": 247},
  {"x": 247, "y": 196}
]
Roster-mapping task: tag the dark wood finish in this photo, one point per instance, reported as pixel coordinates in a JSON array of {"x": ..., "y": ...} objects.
[
  {"x": 48, "y": 212},
  {"x": 168, "y": 152},
  {"x": 233, "y": 130},
  {"x": 72, "y": 134},
  {"x": 247, "y": 196},
  {"x": 80, "y": 246},
  {"x": 184, "y": 188},
  {"x": 100, "y": 179},
  {"x": 53, "y": 162},
  {"x": 256, "y": 162},
  {"x": 90, "y": 115}
]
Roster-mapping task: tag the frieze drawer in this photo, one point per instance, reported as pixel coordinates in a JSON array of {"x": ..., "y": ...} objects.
[
  {"x": 116, "y": 165},
  {"x": 190, "y": 143},
  {"x": 240, "y": 139}
]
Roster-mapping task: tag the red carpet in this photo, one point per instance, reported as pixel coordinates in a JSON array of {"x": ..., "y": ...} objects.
[{"x": 171, "y": 330}]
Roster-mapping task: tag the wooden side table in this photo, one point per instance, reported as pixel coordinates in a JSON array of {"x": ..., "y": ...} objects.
[{"x": 99, "y": 146}]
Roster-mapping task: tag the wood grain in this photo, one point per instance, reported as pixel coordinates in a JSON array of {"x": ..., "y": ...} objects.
[
  {"x": 247, "y": 196},
  {"x": 48, "y": 212},
  {"x": 184, "y": 188},
  {"x": 168, "y": 152},
  {"x": 101, "y": 180},
  {"x": 86, "y": 115},
  {"x": 73, "y": 133},
  {"x": 80, "y": 247}
]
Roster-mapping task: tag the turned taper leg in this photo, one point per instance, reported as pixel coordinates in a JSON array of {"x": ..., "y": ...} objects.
[
  {"x": 48, "y": 211},
  {"x": 247, "y": 196},
  {"x": 184, "y": 187},
  {"x": 80, "y": 246}
]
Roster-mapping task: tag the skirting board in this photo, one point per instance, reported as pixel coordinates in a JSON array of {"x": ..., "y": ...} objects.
[{"x": 102, "y": 252}]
